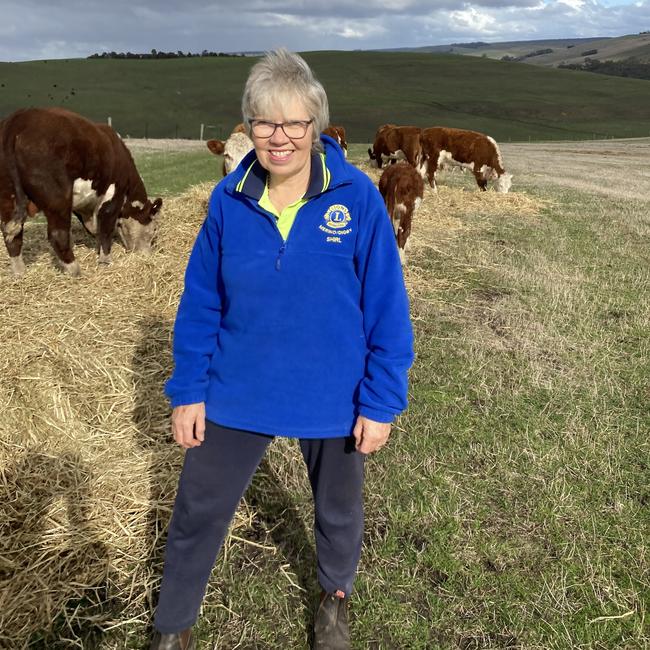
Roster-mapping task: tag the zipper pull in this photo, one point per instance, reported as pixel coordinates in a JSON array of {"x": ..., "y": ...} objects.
[{"x": 280, "y": 253}]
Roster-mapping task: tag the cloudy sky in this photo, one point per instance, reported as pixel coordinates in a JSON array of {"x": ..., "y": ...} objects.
[{"x": 33, "y": 29}]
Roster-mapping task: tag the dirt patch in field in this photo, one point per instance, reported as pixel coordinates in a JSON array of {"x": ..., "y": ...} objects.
[
  {"x": 140, "y": 145},
  {"x": 615, "y": 168}
]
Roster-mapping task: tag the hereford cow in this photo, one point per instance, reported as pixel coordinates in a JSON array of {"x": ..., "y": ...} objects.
[
  {"x": 233, "y": 149},
  {"x": 394, "y": 143},
  {"x": 337, "y": 133},
  {"x": 64, "y": 163},
  {"x": 402, "y": 187},
  {"x": 477, "y": 152}
]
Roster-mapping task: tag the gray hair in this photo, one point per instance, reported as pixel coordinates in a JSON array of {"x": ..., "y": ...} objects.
[{"x": 277, "y": 77}]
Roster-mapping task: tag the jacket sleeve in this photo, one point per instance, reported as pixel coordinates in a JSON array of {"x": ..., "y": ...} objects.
[
  {"x": 387, "y": 326},
  {"x": 198, "y": 317}
]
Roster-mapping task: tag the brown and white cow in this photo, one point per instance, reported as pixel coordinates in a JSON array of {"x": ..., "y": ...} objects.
[
  {"x": 337, "y": 133},
  {"x": 233, "y": 149},
  {"x": 65, "y": 164},
  {"x": 394, "y": 143},
  {"x": 442, "y": 147},
  {"x": 402, "y": 187}
]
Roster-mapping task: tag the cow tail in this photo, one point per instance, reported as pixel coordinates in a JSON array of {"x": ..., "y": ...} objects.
[{"x": 15, "y": 224}]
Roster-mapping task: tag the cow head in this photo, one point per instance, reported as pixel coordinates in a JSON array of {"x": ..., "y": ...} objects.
[
  {"x": 138, "y": 224},
  {"x": 503, "y": 183},
  {"x": 373, "y": 158}
]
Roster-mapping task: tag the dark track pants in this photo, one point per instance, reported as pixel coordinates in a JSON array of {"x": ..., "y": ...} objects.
[{"x": 212, "y": 483}]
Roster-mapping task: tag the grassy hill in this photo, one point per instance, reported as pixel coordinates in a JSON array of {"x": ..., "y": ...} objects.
[{"x": 171, "y": 98}]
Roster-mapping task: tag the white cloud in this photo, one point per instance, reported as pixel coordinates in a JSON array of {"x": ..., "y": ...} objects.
[
  {"x": 574, "y": 4},
  {"x": 473, "y": 20}
]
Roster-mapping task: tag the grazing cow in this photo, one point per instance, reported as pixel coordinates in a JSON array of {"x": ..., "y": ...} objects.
[
  {"x": 402, "y": 187},
  {"x": 477, "y": 152},
  {"x": 394, "y": 143},
  {"x": 337, "y": 133},
  {"x": 233, "y": 149},
  {"x": 64, "y": 163}
]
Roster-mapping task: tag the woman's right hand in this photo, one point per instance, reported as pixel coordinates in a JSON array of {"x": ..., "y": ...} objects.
[{"x": 188, "y": 425}]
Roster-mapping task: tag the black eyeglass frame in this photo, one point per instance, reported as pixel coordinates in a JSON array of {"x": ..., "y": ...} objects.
[{"x": 304, "y": 123}]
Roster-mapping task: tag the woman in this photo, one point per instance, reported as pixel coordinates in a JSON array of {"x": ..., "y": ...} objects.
[{"x": 293, "y": 322}]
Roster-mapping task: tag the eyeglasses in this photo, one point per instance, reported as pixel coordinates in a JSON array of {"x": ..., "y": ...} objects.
[{"x": 294, "y": 130}]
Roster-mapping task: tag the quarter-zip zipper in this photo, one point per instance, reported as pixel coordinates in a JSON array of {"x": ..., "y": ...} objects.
[
  {"x": 280, "y": 254},
  {"x": 274, "y": 221}
]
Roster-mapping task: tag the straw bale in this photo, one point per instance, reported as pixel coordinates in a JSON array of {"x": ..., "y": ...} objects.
[{"x": 87, "y": 467}]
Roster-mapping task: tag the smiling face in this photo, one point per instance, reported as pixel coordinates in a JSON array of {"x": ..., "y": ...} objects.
[{"x": 281, "y": 156}]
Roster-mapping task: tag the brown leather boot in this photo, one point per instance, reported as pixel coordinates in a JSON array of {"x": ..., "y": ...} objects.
[
  {"x": 178, "y": 641},
  {"x": 331, "y": 623}
]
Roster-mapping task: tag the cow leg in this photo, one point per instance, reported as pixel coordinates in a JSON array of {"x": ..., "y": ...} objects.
[
  {"x": 58, "y": 234},
  {"x": 431, "y": 177},
  {"x": 14, "y": 241},
  {"x": 431, "y": 166},
  {"x": 106, "y": 219},
  {"x": 481, "y": 180},
  {"x": 12, "y": 221},
  {"x": 15, "y": 249},
  {"x": 404, "y": 231}
]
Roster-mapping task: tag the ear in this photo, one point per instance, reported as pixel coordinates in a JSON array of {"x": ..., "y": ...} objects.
[
  {"x": 215, "y": 146},
  {"x": 155, "y": 207}
]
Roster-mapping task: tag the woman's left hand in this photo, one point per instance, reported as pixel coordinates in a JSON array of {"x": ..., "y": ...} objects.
[{"x": 370, "y": 435}]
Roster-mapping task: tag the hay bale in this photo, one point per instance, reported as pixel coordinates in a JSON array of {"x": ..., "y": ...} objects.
[{"x": 87, "y": 467}]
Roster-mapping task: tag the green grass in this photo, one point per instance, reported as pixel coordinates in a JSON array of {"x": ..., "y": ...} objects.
[
  {"x": 171, "y": 173},
  {"x": 171, "y": 98}
]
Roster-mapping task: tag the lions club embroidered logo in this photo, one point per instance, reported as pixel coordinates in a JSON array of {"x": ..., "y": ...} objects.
[{"x": 337, "y": 216}]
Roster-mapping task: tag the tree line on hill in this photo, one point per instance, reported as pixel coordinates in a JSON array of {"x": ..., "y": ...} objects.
[
  {"x": 629, "y": 67},
  {"x": 546, "y": 50},
  {"x": 155, "y": 54}
]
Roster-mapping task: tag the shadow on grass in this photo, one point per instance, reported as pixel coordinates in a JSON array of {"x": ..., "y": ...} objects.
[
  {"x": 42, "y": 565},
  {"x": 284, "y": 525},
  {"x": 151, "y": 365}
]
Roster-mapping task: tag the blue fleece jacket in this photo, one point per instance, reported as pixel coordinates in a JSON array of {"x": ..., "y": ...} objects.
[{"x": 295, "y": 337}]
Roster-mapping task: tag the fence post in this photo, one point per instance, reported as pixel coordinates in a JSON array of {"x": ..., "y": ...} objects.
[
  {"x": 201, "y": 136},
  {"x": 110, "y": 121}
]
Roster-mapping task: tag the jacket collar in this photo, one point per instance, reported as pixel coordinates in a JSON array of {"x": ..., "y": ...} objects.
[{"x": 327, "y": 171}]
